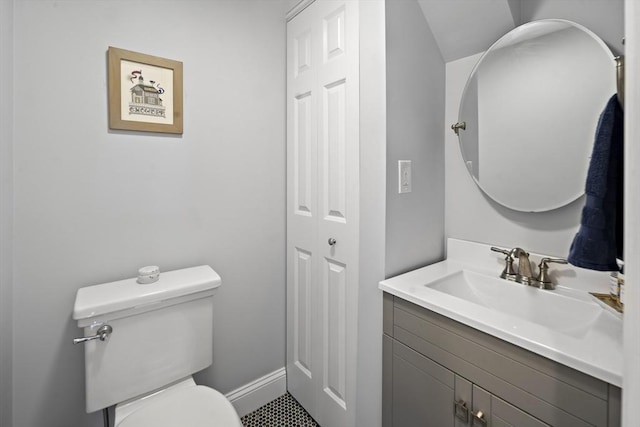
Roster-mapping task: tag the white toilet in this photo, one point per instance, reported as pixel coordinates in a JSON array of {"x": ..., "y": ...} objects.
[{"x": 161, "y": 333}]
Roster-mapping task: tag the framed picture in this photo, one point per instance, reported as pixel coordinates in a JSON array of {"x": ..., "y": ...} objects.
[{"x": 145, "y": 92}]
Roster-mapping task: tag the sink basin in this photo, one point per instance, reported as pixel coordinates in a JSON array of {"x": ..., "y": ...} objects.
[{"x": 552, "y": 309}]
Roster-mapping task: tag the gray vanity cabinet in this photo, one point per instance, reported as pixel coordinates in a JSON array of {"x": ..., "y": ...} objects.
[
  {"x": 422, "y": 390},
  {"x": 425, "y": 394},
  {"x": 441, "y": 373}
]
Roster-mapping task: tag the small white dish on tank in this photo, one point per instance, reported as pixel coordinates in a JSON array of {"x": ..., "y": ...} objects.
[{"x": 148, "y": 274}]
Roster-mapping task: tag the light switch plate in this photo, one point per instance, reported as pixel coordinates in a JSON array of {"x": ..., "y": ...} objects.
[{"x": 404, "y": 176}]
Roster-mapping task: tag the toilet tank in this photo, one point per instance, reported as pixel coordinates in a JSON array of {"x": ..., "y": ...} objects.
[{"x": 162, "y": 332}]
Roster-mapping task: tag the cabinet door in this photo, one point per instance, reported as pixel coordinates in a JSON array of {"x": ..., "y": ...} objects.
[
  {"x": 491, "y": 411},
  {"x": 423, "y": 391}
]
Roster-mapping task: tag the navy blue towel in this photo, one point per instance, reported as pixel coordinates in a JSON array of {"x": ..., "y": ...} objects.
[{"x": 599, "y": 240}]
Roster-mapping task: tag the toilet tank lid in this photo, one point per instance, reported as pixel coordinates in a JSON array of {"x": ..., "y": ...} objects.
[{"x": 125, "y": 294}]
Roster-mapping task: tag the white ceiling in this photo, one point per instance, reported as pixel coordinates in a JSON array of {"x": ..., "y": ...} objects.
[{"x": 466, "y": 27}]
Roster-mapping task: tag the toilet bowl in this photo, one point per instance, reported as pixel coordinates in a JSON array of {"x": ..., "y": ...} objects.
[
  {"x": 158, "y": 335},
  {"x": 183, "y": 404}
]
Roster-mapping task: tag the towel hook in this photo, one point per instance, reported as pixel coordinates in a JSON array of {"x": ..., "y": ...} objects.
[{"x": 457, "y": 126}]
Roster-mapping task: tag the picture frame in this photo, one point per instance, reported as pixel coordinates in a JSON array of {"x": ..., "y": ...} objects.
[{"x": 145, "y": 92}]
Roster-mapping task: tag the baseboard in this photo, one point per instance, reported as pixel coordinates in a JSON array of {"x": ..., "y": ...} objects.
[{"x": 255, "y": 394}]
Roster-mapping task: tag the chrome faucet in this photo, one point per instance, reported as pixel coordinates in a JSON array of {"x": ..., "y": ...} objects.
[{"x": 524, "y": 274}]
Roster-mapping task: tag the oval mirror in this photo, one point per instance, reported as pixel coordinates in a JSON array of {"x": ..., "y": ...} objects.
[{"x": 530, "y": 108}]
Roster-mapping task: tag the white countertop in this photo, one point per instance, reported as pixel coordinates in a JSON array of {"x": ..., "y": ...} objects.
[{"x": 596, "y": 351}]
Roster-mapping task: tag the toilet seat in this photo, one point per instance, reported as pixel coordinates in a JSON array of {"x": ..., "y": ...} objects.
[{"x": 196, "y": 406}]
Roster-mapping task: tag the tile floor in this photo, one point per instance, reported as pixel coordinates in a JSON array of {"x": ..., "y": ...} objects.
[{"x": 285, "y": 411}]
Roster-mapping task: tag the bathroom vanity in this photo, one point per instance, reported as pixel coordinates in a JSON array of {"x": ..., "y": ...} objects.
[
  {"x": 463, "y": 346},
  {"x": 492, "y": 354}
]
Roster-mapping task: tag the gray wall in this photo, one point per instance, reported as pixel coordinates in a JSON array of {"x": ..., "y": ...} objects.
[
  {"x": 603, "y": 17},
  {"x": 6, "y": 208},
  {"x": 472, "y": 216},
  {"x": 93, "y": 205},
  {"x": 415, "y": 113}
]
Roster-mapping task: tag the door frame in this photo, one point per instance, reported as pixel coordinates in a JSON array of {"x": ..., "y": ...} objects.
[{"x": 631, "y": 372}]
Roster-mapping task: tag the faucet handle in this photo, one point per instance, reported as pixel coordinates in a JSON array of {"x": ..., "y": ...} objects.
[
  {"x": 508, "y": 273},
  {"x": 502, "y": 251},
  {"x": 554, "y": 260},
  {"x": 543, "y": 278}
]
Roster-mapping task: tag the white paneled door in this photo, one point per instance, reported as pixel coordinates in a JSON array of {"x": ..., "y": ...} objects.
[{"x": 322, "y": 209}]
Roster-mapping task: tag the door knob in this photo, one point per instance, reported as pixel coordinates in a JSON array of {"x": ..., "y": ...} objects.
[{"x": 331, "y": 241}]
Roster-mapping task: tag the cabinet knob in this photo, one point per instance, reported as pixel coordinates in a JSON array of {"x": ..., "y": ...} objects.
[
  {"x": 331, "y": 241},
  {"x": 461, "y": 411},
  {"x": 479, "y": 419}
]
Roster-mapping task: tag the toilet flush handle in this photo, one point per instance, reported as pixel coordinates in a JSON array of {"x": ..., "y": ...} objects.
[{"x": 103, "y": 332}]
